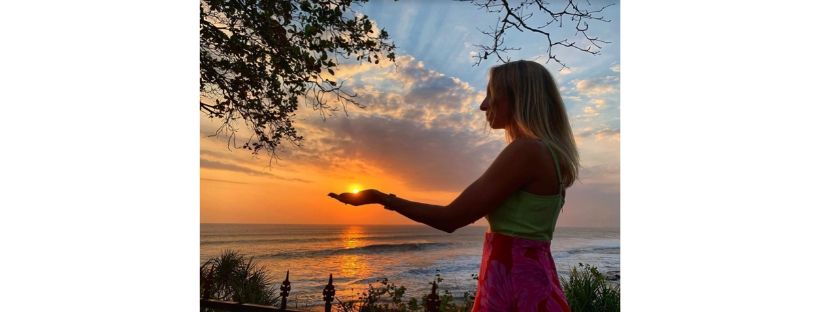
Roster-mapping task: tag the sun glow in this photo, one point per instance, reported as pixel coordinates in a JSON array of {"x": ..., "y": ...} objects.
[{"x": 355, "y": 188}]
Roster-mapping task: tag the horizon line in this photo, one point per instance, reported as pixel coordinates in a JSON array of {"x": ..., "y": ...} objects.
[{"x": 391, "y": 224}]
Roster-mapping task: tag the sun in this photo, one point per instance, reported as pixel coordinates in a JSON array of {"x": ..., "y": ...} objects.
[{"x": 355, "y": 188}]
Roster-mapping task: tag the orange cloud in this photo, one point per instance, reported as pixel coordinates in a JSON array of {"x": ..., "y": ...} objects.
[{"x": 597, "y": 86}]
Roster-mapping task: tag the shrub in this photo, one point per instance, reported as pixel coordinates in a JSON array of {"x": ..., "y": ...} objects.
[
  {"x": 232, "y": 277},
  {"x": 371, "y": 300},
  {"x": 587, "y": 290}
]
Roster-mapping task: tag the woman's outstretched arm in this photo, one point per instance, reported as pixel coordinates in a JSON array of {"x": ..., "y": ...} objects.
[{"x": 511, "y": 170}]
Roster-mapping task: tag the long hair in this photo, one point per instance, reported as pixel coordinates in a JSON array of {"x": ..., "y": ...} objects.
[{"x": 537, "y": 110}]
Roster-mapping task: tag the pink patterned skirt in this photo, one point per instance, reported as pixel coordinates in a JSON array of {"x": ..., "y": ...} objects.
[{"x": 518, "y": 274}]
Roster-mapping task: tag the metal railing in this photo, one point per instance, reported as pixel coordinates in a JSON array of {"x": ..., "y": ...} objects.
[{"x": 431, "y": 303}]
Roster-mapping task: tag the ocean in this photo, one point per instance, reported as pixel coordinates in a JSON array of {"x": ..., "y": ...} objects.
[{"x": 407, "y": 255}]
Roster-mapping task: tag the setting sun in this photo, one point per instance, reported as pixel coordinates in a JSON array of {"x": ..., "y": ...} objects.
[{"x": 355, "y": 188}]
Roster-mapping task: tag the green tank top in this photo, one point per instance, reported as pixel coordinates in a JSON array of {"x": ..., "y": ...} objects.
[{"x": 529, "y": 215}]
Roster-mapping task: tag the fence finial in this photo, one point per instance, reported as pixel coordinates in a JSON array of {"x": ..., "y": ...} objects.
[
  {"x": 328, "y": 293},
  {"x": 285, "y": 290},
  {"x": 432, "y": 303}
]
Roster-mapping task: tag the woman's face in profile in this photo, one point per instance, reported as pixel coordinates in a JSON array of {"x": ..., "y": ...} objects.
[{"x": 500, "y": 112}]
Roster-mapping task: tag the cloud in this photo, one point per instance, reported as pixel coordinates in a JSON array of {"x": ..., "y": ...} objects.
[
  {"x": 422, "y": 127},
  {"x": 411, "y": 91},
  {"x": 589, "y": 204},
  {"x": 600, "y": 132},
  {"x": 616, "y": 68},
  {"x": 597, "y": 86},
  {"x": 425, "y": 158},
  {"x": 609, "y": 136},
  {"x": 417, "y": 121},
  {"x": 212, "y": 164},
  {"x": 221, "y": 181},
  {"x": 472, "y": 55}
]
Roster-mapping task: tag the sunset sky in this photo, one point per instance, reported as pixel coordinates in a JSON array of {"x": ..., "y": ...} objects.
[{"x": 422, "y": 135}]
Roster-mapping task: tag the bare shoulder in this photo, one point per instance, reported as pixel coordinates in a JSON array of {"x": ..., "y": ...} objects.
[
  {"x": 527, "y": 146},
  {"x": 534, "y": 155},
  {"x": 524, "y": 151}
]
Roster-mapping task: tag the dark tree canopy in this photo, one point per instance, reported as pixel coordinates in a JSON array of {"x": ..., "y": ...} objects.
[{"x": 257, "y": 57}]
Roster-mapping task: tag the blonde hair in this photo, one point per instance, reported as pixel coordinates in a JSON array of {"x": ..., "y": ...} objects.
[{"x": 537, "y": 111}]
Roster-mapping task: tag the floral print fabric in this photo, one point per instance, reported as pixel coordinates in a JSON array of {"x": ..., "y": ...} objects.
[{"x": 518, "y": 274}]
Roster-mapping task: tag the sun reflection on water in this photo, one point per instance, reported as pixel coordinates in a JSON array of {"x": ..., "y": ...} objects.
[{"x": 353, "y": 265}]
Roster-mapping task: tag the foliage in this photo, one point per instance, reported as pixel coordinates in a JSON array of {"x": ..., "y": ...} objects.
[
  {"x": 232, "y": 277},
  {"x": 257, "y": 57},
  {"x": 448, "y": 303},
  {"x": 372, "y": 299},
  {"x": 587, "y": 290}
]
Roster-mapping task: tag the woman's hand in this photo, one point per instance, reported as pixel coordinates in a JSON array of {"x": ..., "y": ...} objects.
[{"x": 370, "y": 196}]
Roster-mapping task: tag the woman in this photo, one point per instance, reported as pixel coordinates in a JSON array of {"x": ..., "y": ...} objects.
[{"x": 520, "y": 194}]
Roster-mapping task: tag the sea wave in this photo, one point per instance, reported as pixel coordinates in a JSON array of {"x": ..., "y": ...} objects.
[
  {"x": 256, "y": 241},
  {"x": 608, "y": 250},
  {"x": 369, "y": 249},
  {"x": 445, "y": 269},
  {"x": 598, "y": 250},
  {"x": 290, "y": 240}
]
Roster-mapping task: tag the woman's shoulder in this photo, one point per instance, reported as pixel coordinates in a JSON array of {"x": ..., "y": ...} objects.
[
  {"x": 528, "y": 145},
  {"x": 533, "y": 151}
]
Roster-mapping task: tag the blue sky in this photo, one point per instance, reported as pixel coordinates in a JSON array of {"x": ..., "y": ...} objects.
[{"x": 442, "y": 34}]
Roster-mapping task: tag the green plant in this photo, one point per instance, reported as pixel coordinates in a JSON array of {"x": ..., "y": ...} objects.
[
  {"x": 232, "y": 277},
  {"x": 586, "y": 290},
  {"x": 373, "y": 299},
  {"x": 447, "y": 302}
]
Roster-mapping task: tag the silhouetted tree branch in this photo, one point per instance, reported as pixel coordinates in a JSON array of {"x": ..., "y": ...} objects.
[
  {"x": 258, "y": 57},
  {"x": 549, "y": 18}
]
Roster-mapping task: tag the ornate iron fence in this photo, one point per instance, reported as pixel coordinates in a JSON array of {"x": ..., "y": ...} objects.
[{"x": 431, "y": 304}]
